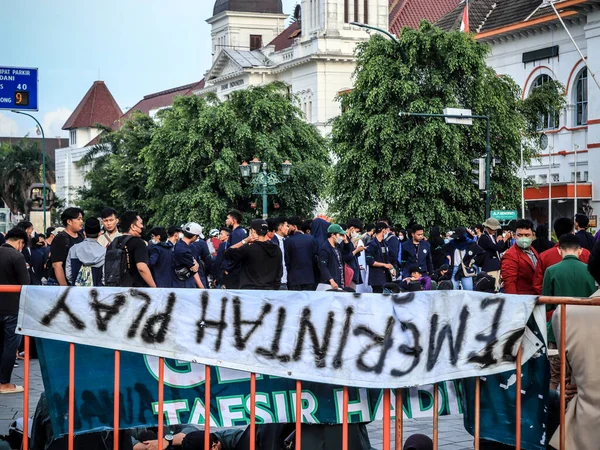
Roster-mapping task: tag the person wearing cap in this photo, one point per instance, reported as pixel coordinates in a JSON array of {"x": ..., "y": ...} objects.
[
  {"x": 301, "y": 252},
  {"x": 492, "y": 245},
  {"x": 417, "y": 276},
  {"x": 201, "y": 254},
  {"x": 260, "y": 260},
  {"x": 161, "y": 257},
  {"x": 216, "y": 270},
  {"x": 333, "y": 255},
  {"x": 185, "y": 266},
  {"x": 87, "y": 258},
  {"x": 462, "y": 252},
  {"x": 213, "y": 242},
  {"x": 378, "y": 259}
]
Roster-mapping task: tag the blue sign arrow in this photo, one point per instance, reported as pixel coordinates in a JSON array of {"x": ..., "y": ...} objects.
[{"x": 18, "y": 89}]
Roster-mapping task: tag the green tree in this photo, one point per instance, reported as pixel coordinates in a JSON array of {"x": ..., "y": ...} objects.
[
  {"x": 419, "y": 169},
  {"x": 20, "y": 167},
  {"x": 116, "y": 172},
  {"x": 195, "y": 153}
]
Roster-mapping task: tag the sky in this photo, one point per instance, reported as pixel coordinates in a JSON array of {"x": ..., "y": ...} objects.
[{"x": 136, "y": 47}]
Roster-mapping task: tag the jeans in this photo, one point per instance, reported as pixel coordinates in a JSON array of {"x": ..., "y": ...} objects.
[
  {"x": 8, "y": 352},
  {"x": 466, "y": 282}
]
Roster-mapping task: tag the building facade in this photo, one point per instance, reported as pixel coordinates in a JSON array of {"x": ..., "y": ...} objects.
[{"x": 529, "y": 43}]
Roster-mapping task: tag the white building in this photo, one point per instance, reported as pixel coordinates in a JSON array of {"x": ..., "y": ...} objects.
[
  {"x": 314, "y": 55},
  {"x": 97, "y": 107},
  {"x": 529, "y": 43},
  {"x": 253, "y": 46}
]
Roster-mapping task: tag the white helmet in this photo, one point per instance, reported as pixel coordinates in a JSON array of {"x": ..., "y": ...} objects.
[
  {"x": 214, "y": 233},
  {"x": 193, "y": 228}
]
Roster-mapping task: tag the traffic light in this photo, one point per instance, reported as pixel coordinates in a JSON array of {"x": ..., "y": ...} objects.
[{"x": 479, "y": 173}]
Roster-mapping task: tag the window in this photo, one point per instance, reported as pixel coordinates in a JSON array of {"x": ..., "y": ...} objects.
[
  {"x": 555, "y": 178},
  {"x": 73, "y": 137},
  {"x": 346, "y": 11},
  {"x": 543, "y": 179},
  {"x": 581, "y": 98},
  {"x": 547, "y": 121},
  {"x": 255, "y": 42},
  {"x": 366, "y": 20},
  {"x": 580, "y": 178},
  {"x": 309, "y": 112},
  {"x": 356, "y": 11}
]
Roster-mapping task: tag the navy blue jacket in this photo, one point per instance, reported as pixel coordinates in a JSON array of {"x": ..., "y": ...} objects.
[
  {"x": 217, "y": 271},
  {"x": 161, "y": 264},
  {"x": 229, "y": 265},
  {"x": 395, "y": 248},
  {"x": 328, "y": 262},
  {"x": 491, "y": 260},
  {"x": 409, "y": 258},
  {"x": 202, "y": 254},
  {"x": 318, "y": 230},
  {"x": 378, "y": 276},
  {"x": 183, "y": 257},
  {"x": 354, "y": 263},
  {"x": 300, "y": 255}
]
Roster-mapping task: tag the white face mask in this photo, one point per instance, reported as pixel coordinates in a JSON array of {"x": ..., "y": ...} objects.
[
  {"x": 339, "y": 240},
  {"x": 154, "y": 241},
  {"x": 355, "y": 235},
  {"x": 180, "y": 235}
]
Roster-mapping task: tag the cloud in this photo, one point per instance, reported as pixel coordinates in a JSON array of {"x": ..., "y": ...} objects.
[
  {"x": 8, "y": 126},
  {"x": 54, "y": 121}
]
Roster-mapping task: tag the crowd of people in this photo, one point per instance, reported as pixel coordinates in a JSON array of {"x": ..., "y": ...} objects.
[{"x": 311, "y": 255}]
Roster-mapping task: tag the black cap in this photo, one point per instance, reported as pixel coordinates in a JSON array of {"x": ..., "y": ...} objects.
[
  {"x": 92, "y": 227},
  {"x": 414, "y": 269},
  {"x": 444, "y": 267},
  {"x": 260, "y": 226}
]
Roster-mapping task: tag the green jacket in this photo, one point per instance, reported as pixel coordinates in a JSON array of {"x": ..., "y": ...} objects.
[{"x": 568, "y": 278}]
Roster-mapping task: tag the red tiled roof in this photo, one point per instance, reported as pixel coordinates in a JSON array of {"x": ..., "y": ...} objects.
[
  {"x": 152, "y": 102},
  {"x": 409, "y": 13},
  {"x": 98, "y": 106},
  {"x": 287, "y": 36}
]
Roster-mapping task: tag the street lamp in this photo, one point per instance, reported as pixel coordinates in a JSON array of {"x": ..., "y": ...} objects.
[
  {"x": 488, "y": 151},
  {"x": 369, "y": 27},
  {"x": 264, "y": 183},
  {"x": 43, "y": 161}
]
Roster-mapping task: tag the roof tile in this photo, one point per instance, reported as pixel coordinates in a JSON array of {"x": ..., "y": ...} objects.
[{"x": 97, "y": 106}]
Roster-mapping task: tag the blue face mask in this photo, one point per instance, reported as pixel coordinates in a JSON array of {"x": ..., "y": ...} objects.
[{"x": 446, "y": 241}]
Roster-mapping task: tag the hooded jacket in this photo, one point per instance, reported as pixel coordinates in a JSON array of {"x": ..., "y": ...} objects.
[
  {"x": 87, "y": 253},
  {"x": 261, "y": 265},
  {"x": 318, "y": 230}
]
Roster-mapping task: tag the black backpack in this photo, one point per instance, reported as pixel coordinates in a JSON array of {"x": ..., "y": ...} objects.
[{"x": 117, "y": 263}]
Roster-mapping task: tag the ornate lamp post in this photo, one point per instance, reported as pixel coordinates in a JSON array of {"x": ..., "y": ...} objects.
[{"x": 263, "y": 182}]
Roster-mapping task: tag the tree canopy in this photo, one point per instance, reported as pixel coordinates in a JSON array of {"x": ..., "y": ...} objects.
[
  {"x": 185, "y": 165},
  {"x": 413, "y": 169},
  {"x": 20, "y": 167}
]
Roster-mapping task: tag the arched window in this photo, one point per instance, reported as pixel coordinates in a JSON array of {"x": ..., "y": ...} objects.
[
  {"x": 547, "y": 121},
  {"x": 581, "y": 98}
]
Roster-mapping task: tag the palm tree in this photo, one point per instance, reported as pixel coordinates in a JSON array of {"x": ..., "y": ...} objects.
[{"x": 20, "y": 167}]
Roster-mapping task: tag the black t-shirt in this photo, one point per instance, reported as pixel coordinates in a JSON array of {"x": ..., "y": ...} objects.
[
  {"x": 59, "y": 250},
  {"x": 138, "y": 253}
]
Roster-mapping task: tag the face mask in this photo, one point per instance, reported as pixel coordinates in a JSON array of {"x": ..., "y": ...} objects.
[
  {"x": 154, "y": 241},
  {"x": 180, "y": 235},
  {"x": 446, "y": 241},
  {"x": 524, "y": 242},
  {"x": 339, "y": 240},
  {"x": 386, "y": 235},
  {"x": 355, "y": 235}
]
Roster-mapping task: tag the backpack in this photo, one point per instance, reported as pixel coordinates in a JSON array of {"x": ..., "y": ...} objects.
[
  {"x": 117, "y": 263},
  {"x": 84, "y": 277}
]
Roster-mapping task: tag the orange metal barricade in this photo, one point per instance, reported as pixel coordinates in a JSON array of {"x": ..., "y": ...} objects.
[{"x": 563, "y": 302}]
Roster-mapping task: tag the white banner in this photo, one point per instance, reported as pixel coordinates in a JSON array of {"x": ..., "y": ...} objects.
[{"x": 368, "y": 340}]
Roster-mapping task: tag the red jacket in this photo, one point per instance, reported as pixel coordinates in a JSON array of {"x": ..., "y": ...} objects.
[
  {"x": 518, "y": 271},
  {"x": 548, "y": 259}
]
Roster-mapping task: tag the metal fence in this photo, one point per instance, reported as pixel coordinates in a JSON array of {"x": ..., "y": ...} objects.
[{"x": 398, "y": 430}]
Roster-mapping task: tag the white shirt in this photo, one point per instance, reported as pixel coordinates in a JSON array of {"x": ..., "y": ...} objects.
[{"x": 282, "y": 248}]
